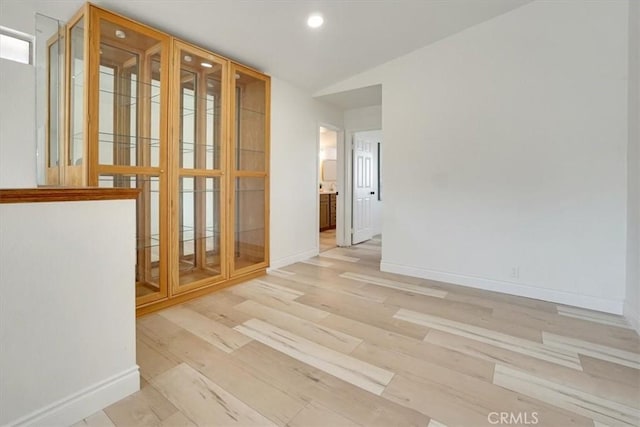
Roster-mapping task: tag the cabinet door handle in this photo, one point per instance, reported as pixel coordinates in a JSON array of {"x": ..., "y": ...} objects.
[{"x": 373, "y": 192}]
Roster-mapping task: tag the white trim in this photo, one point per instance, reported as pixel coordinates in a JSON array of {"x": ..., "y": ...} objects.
[
  {"x": 19, "y": 34},
  {"x": 75, "y": 407},
  {"x": 343, "y": 233},
  {"x": 632, "y": 316},
  {"x": 283, "y": 262},
  {"x": 317, "y": 189},
  {"x": 551, "y": 295}
]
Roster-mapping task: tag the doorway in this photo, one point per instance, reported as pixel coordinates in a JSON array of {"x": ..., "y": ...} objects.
[
  {"x": 366, "y": 186},
  {"x": 327, "y": 187}
]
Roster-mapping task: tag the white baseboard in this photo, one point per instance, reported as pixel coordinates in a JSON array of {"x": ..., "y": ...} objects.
[
  {"x": 283, "y": 262},
  {"x": 551, "y": 295},
  {"x": 88, "y": 401},
  {"x": 632, "y": 316}
]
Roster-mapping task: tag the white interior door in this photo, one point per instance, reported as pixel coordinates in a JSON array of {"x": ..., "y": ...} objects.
[{"x": 363, "y": 189}]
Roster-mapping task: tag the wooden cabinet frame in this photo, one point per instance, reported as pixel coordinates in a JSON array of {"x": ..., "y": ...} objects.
[{"x": 199, "y": 172}]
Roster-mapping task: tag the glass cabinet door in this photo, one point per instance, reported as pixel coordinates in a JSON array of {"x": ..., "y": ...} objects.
[
  {"x": 249, "y": 232},
  {"x": 250, "y": 216},
  {"x": 128, "y": 141},
  {"x": 129, "y": 97},
  {"x": 199, "y": 132},
  {"x": 53, "y": 108},
  {"x": 76, "y": 147},
  {"x": 50, "y": 67}
]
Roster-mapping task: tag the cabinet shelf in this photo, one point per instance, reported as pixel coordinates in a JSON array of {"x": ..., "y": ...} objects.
[
  {"x": 208, "y": 147},
  {"x": 135, "y": 79},
  {"x": 152, "y": 142},
  {"x": 249, "y": 150},
  {"x": 194, "y": 238},
  {"x": 132, "y": 99},
  {"x": 152, "y": 241},
  {"x": 249, "y": 110},
  {"x": 217, "y": 192},
  {"x": 249, "y": 230},
  {"x": 210, "y": 110}
]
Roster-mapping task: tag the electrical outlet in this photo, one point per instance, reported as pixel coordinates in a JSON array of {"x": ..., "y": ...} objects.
[{"x": 515, "y": 272}]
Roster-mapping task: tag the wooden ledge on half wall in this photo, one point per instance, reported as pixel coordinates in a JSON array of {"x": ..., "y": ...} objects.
[{"x": 65, "y": 194}]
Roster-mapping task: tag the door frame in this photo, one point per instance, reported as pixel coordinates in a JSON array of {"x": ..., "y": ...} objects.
[{"x": 340, "y": 187}]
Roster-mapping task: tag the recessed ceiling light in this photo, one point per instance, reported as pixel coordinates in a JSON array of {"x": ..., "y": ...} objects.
[
  {"x": 315, "y": 20},
  {"x": 188, "y": 58},
  {"x": 206, "y": 65},
  {"x": 120, "y": 34}
]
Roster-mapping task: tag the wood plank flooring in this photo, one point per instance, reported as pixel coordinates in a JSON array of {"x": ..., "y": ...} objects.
[
  {"x": 327, "y": 240},
  {"x": 332, "y": 341}
]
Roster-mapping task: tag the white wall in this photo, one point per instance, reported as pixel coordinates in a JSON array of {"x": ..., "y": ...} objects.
[
  {"x": 67, "y": 310},
  {"x": 295, "y": 118},
  {"x": 632, "y": 299},
  {"x": 509, "y": 143},
  {"x": 17, "y": 95},
  {"x": 366, "y": 118}
]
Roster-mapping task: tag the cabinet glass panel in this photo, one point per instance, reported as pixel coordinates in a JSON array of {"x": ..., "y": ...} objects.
[
  {"x": 129, "y": 124},
  {"x": 249, "y": 226},
  {"x": 200, "y": 109},
  {"x": 147, "y": 228},
  {"x": 53, "y": 55},
  {"x": 49, "y": 50},
  {"x": 250, "y": 114},
  {"x": 76, "y": 96},
  {"x": 199, "y": 249}
]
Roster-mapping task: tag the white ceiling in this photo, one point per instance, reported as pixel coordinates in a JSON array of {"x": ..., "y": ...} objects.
[{"x": 272, "y": 35}]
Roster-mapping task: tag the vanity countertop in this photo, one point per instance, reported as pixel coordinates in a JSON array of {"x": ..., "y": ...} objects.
[{"x": 327, "y": 192}]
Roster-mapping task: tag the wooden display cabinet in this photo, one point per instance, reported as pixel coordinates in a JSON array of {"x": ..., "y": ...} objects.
[{"x": 186, "y": 127}]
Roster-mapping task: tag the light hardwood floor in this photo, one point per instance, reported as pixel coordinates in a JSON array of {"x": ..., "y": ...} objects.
[
  {"x": 327, "y": 240},
  {"x": 334, "y": 342}
]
